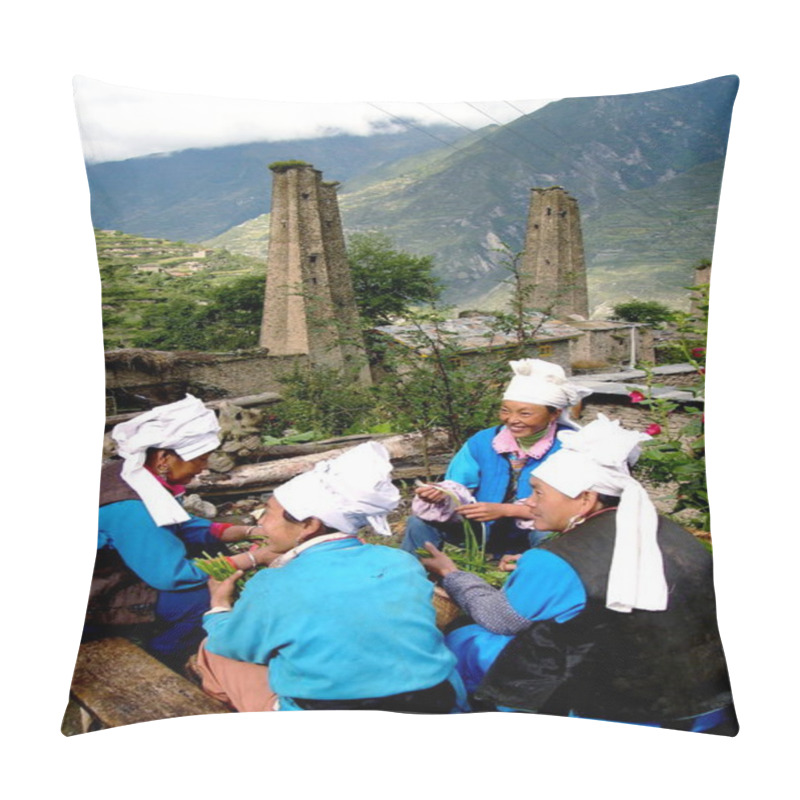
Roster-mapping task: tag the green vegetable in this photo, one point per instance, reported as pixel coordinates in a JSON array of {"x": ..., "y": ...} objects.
[
  {"x": 219, "y": 569},
  {"x": 472, "y": 558}
]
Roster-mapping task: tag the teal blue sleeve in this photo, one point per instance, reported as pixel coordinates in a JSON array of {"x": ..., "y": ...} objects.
[
  {"x": 544, "y": 586},
  {"x": 156, "y": 554},
  {"x": 196, "y": 530},
  {"x": 464, "y": 469},
  {"x": 247, "y": 632}
]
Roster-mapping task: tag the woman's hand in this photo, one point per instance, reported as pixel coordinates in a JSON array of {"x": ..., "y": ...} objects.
[
  {"x": 221, "y": 592},
  {"x": 430, "y": 493},
  {"x": 483, "y": 512},
  {"x": 508, "y": 563},
  {"x": 438, "y": 563}
]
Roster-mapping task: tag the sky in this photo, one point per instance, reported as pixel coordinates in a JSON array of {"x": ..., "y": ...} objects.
[
  {"x": 436, "y": 51},
  {"x": 119, "y": 122}
]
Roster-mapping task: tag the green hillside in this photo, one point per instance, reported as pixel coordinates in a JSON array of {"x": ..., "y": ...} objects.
[{"x": 142, "y": 278}]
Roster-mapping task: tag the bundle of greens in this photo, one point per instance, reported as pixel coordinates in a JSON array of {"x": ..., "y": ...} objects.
[
  {"x": 219, "y": 568},
  {"x": 472, "y": 557}
]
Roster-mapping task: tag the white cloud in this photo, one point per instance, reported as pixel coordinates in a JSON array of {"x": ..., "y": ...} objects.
[{"x": 119, "y": 122}]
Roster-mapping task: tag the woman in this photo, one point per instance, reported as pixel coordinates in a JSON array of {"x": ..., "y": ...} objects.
[
  {"x": 613, "y": 618},
  {"x": 496, "y": 463},
  {"x": 144, "y": 532},
  {"x": 335, "y": 623}
]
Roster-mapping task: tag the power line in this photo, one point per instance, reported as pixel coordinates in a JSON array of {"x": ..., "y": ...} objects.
[{"x": 489, "y": 140}]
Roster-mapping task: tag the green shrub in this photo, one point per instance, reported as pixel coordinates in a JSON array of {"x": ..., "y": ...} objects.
[{"x": 649, "y": 311}]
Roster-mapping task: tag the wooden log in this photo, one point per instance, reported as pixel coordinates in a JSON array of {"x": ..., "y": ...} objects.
[
  {"x": 277, "y": 451},
  {"x": 273, "y": 473},
  {"x": 116, "y": 683}
]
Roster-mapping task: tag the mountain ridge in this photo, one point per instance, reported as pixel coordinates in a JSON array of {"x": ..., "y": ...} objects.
[{"x": 645, "y": 168}]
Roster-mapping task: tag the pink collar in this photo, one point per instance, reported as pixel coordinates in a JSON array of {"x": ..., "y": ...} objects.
[
  {"x": 173, "y": 488},
  {"x": 504, "y": 442}
]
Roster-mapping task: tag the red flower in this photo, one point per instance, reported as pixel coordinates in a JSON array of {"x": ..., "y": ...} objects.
[
  {"x": 653, "y": 430},
  {"x": 698, "y": 352},
  {"x": 702, "y": 370},
  {"x": 636, "y": 397}
]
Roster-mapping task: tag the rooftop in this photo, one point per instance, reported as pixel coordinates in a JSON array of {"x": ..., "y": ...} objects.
[{"x": 477, "y": 332}]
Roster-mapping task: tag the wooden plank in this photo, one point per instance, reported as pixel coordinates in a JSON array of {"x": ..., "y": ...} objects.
[{"x": 117, "y": 683}]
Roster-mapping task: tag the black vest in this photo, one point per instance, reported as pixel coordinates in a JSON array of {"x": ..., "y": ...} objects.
[
  {"x": 117, "y": 596},
  {"x": 645, "y": 666},
  {"x": 112, "y": 488}
]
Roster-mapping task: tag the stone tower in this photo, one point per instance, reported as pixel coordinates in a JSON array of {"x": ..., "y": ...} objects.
[
  {"x": 309, "y": 304},
  {"x": 553, "y": 268}
]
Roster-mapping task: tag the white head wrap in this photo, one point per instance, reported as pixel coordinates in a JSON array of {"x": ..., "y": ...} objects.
[
  {"x": 598, "y": 458},
  {"x": 544, "y": 384},
  {"x": 187, "y": 427},
  {"x": 347, "y": 492}
]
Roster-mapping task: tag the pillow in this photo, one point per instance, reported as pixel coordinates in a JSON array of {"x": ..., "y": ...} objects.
[{"x": 566, "y": 230}]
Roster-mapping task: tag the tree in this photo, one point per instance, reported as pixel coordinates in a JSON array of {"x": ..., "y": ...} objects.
[
  {"x": 230, "y": 319},
  {"x": 388, "y": 281},
  {"x": 649, "y": 311}
]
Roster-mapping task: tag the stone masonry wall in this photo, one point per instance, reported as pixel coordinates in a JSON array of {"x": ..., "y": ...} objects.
[
  {"x": 553, "y": 264},
  {"x": 309, "y": 303},
  {"x": 228, "y": 375}
]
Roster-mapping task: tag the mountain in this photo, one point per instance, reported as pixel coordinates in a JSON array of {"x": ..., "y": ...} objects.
[
  {"x": 645, "y": 168},
  {"x": 195, "y": 194}
]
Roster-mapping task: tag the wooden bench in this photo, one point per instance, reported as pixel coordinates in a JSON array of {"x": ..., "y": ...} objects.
[{"x": 117, "y": 683}]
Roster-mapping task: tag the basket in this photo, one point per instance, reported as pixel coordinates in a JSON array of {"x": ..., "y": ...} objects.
[{"x": 446, "y": 608}]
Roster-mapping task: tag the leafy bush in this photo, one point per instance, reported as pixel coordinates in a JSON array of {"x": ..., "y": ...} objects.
[
  {"x": 229, "y": 320},
  {"x": 649, "y": 311},
  {"x": 679, "y": 457},
  {"x": 324, "y": 401},
  {"x": 434, "y": 387}
]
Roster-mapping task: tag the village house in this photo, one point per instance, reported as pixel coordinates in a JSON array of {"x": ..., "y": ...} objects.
[
  {"x": 604, "y": 344},
  {"x": 477, "y": 338},
  {"x": 577, "y": 345}
]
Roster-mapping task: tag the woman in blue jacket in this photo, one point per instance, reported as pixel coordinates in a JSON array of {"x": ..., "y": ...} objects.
[
  {"x": 334, "y": 623},
  {"x": 496, "y": 464}
]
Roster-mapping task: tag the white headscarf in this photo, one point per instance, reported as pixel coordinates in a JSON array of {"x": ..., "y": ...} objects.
[
  {"x": 598, "y": 458},
  {"x": 544, "y": 384},
  {"x": 347, "y": 492},
  {"x": 187, "y": 427}
]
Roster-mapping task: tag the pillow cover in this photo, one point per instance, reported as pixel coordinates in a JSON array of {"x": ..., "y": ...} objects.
[{"x": 571, "y": 229}]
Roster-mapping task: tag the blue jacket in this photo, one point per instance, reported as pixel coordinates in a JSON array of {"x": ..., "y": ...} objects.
[
  {"x": 157, "y": 554},
  {"x": 488, "y": 473},
  {"x": 343, "y": 620}
]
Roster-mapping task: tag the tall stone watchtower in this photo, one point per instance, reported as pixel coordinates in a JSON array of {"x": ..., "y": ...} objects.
[
  {"x": 553, "y": 269},
  {"x": 309, "y": 304}
]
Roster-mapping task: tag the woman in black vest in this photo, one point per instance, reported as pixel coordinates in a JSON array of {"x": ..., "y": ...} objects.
[
  {"x": 145, "y": 572},
  {"x": 613, "y": 618}
]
